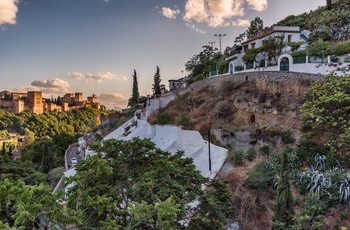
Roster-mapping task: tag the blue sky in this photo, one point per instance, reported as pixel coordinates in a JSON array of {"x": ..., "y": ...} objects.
[{"x": 93, "y": 46}]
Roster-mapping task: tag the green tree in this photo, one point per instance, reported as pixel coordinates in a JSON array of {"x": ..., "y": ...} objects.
[
  {"x": 200, "y": 64},
  {"x": 284, "y": 208},
  {"x": 31, "y": 207},
  {"x": 320, "y": 47},
  {"x": 135, "y": 91},
  {"x": 250, "y": 56},
  {"x": 126, "y": 189},
  {"x": 327, "y": 112},
  {"x": 256, "y": 25},
  {"x": 273, "y": 47},
  {"x": 156, "y": 84}
]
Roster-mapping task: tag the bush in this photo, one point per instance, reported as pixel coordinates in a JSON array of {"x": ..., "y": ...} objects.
[
  {"x": 251, "y": 154},
  {"x": 261, "y": 177},
  {"x": 222, "y": 110},
  {"x": 199, "y": 77},
  {"x": 183, "y": 118},
  {"x": 227, "y": 87},
  {"x": 265, "y": 150},
  {"x": 287, "y": 137},
  {"x": 239, "y": 157},
  {"x": 239, "y": 68},
  {"x": 164, "y": 118},
  {"x": 342, "y": 48},
  {"x": 306, "y": 151},
  {"x": 301, "y": 53}
]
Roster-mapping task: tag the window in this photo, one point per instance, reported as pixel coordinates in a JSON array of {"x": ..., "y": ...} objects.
[{"x": 289, "y": 38}]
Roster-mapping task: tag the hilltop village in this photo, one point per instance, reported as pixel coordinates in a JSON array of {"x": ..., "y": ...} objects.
[{"x": 33, "y": 101}]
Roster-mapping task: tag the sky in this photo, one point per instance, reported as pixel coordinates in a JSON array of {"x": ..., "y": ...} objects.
[{"x": 93, "y": 46}]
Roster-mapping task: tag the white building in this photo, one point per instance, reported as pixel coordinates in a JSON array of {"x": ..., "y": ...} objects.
[{"x": 291, "y": 34}]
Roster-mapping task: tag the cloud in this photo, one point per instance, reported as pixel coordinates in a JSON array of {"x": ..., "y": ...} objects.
[
  {"x": 169, "y": 13},
  {"x": 258, "y": 5},
  {"x": 241, "y": 22},
  {"x": 193, "y": 27},
  {"x": 8, "y": 10},
  {"x": 112, "y": 100},
  {"x": 216, "y": 13},
  {"x": 55, "y": 86},
  {"x": 104, "y": 75}
]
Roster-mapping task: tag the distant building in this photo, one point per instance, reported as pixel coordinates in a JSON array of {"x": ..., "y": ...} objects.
[
  {"x": 179, "y": 83},
  {"x": 14, "y": 102}
]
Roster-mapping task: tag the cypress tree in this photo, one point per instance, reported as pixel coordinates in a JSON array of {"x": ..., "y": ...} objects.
[
  {"x": 135, "y": 91},
  {"x": 284, "y": 209},
  {"x": 156, "y": 85}
]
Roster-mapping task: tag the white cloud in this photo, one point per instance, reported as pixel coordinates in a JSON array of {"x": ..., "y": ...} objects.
[
  {"x": 216, "y": 13},
  {"x": 112, "y": 100},
  {"x": 104, "y": 75},
  {"x": 55, "y": 86},
  {"x": 8, "y": 10},
  {"x": 169, "y": 13},
  {"x": 193, "y": 27},
  {"x": 76, "y": 75},
  {"x": 241, "y": 22},
  {"x": 50, "y": 83},
  {"x": 258, "y": 5}
]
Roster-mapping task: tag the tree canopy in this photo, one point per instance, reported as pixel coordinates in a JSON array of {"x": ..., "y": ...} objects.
[
  {"x": 326, "y": 112},
  {"x": 137, "y": 180}
]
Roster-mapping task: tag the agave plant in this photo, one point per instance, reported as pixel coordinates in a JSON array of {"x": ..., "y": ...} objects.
[
  {"x": 320, "y": 161},
  {"x": 344, "y": 189},
  {"x": 343, "y": 33},
  {"x": 316, "y": 180}
]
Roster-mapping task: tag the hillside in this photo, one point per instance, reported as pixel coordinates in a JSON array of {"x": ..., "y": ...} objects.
[
  {"x": 265, "y": 107},
  {"x": 257, "y": 117},
  {"x": 333, "y": 21}
]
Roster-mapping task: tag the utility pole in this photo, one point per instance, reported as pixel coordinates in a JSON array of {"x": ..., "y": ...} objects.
[
  {"x": 211, "y": 44},
  {"x": 220, "y": 35}
]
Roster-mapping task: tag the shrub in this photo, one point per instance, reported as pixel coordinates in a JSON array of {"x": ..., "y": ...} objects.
[
  {"x": 199, "y": 77},
  {"x": 287, "y": 137},
  {"x": 164, "y": 118},
  {"x": 306, "y": 150},
  {"x": 251, "y": 154},
  {"x": 265, "y": 150},
  {"x": 227, "y": 87},
  {"x": 301, "y": 53},
  {"x": 342, "y": 48},
  {"x": 183, "y": 118},
  {"x": 222, "y": 110},
  {"x": 239, "y": 68},
  {"x": 261, "y": 177},
  {"x": 239, "y": 157}
]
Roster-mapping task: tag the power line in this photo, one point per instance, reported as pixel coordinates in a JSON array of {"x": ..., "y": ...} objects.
[{"x": 219, "y": 35}]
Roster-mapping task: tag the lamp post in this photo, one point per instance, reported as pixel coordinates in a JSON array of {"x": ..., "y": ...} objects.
[
  {"x": 307, "y": 52},
  {"x": 209, "y": 150},
  {"x": 322, "y": 56}
]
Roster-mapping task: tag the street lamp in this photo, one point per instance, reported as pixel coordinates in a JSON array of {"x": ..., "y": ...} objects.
[
  {"x": 209, "y": 150},
  {"x": 322, "y": 56},
  {"x": 307, "y": 52}
]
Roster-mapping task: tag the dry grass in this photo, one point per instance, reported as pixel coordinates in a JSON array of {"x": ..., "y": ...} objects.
[{"x": 253, "y": 210}]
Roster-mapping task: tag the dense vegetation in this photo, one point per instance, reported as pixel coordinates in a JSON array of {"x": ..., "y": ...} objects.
[
  {"x": 46, "y": 138},
  {"x": 330, "y": 22},
  {"x": 135, "y": 186}
]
